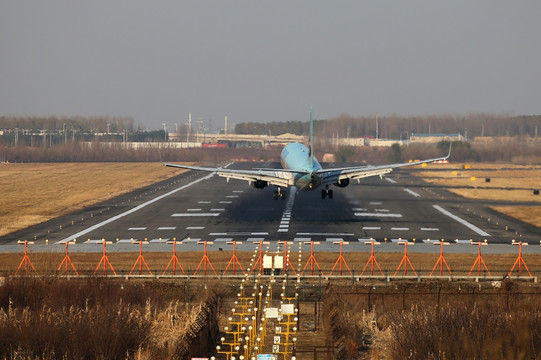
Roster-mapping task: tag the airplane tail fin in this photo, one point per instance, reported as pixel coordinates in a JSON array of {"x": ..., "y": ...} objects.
[{"x": 311, "y": 141}]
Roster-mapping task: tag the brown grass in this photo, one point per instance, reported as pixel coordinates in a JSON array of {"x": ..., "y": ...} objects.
[
  {"x": 508, "y": 182},
  {"x": 95, "y": 318},
  {"x": 436, "y": 321},
  {"x": 33, "y": 193}
]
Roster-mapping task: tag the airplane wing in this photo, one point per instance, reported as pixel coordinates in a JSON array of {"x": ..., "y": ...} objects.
[
  {"x": 276, "y": 177},
  {"x": 358, "y": 172}
]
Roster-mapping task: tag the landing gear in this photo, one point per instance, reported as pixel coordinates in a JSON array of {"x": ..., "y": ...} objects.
[
  {"x": 326, "y": 192},
  {"x": 278, "y": 193}
]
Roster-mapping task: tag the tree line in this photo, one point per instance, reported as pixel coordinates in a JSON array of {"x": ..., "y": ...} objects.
[
  {"x": 103, "y": 124},
  {"x": 402, "y": 127}
]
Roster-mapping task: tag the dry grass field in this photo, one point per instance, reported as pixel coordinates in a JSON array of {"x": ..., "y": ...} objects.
[
  {"x": 33, "y": 193},
  {"x": 508, "y": 182}
]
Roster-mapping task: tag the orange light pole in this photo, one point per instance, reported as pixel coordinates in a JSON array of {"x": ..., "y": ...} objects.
[
  {"x": 105, "y": 260},
  {"x": 67, "y": 261},
  {"x": 286, "y": 257},
  {"x": 405, "y": 261},
  {"x": 372, "y": 260},
  {"x": 312, "y": 259},
  {"x": 260, "y": 258},
  {"x": 205, "y": 259},
  {"x": 234, "y": 259},
  {"x": 441, "y": 260},
  {"x": 341, "y": 258},
  {"x": 520, "y": 261},
  {"x": 174, "y": 259},
  {"x": 479, "y": 261},
  {"x": 141, "y": 259},
  {"x": 26, "y": 258}
]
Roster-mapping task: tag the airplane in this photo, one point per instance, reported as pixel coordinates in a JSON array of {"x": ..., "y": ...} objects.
[{"x": 300, "y": 168}]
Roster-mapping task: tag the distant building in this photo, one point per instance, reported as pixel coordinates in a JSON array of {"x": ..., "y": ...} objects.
[
  {"x": 385, "y": 142},
  {"x": 435, "y": 138}
]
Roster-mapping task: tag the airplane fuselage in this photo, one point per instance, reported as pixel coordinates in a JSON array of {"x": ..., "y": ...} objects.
[{"x": 296, "y": 156}]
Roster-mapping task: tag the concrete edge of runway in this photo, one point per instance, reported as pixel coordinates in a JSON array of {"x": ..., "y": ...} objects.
[{"x": 249, "y": 247}]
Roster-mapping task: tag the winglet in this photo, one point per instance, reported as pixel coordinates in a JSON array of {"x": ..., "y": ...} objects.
[{"x": 450, "y": 147}]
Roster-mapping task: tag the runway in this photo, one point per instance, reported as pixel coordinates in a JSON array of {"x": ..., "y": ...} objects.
[{"x": 198, "y": 206}]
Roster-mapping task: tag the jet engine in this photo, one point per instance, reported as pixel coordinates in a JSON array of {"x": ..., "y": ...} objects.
[
  {"x": 342, "y": 183},
  {"x": 260, "y": 184}
]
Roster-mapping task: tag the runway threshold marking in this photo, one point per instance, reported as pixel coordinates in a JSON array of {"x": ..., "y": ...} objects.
[
  {"x": 131, "y": 211},
  {"x": 462, "y": 221}
]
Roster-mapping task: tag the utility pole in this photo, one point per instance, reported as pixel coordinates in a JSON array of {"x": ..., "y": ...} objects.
[{"x": 189, "y": 127}]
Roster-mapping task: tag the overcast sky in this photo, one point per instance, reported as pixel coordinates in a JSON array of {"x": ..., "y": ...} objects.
[{"x": 157, "y": 61}]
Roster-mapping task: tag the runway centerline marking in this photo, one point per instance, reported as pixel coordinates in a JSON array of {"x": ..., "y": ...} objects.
[
  {"x": 462, "y": 221},
  {"x": 286, "y": 215},
  {"x": 135, "y": 209}
]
